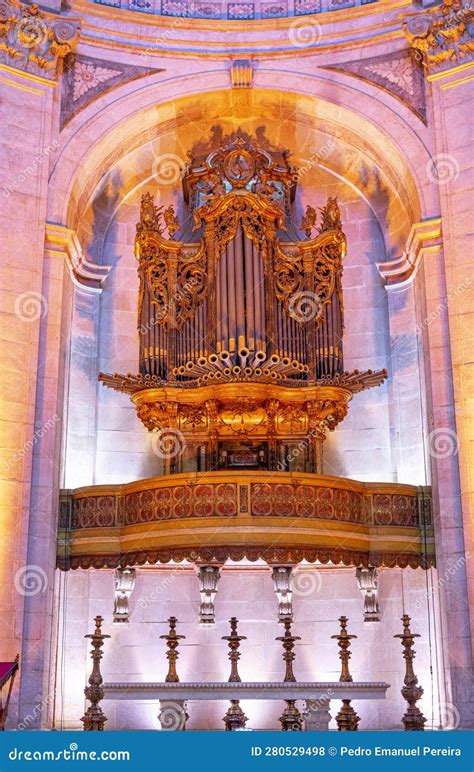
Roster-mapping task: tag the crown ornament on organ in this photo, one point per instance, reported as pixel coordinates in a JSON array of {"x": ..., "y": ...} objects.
[{"x": 235, "y": 296}]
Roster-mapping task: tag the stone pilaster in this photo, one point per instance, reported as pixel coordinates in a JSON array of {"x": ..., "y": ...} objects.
[
  {"x": 34, "y": 334},
  {"x": 443, "y": 36}
]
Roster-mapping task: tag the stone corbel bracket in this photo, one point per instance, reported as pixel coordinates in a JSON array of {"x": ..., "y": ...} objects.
[
  {"x": 208, "y": 577},
  {"x": 424, "y": 237},
  {"x": 367, "y": 579},
  {"x": 124, "y": 586},
  {"x": 63, "y": 242},
  {"x": 33, "y": 41},
  {"x": 282, "y": 576}
]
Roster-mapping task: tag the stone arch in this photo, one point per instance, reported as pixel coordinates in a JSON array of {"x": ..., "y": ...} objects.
[{"x": 383, "y": 147}]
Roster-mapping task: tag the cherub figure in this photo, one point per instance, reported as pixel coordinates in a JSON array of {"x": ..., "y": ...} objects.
[
  {"x": 171, "y": 220},
  {"x": 331, "y": 216},
  {"x": 264, "y": 186},
  {"x": 309, "y": 221}
]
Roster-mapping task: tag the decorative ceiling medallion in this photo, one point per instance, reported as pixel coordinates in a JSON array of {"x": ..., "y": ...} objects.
[
  {"x": 399, "y": 73},
  {"x": 85, "y": 79}
]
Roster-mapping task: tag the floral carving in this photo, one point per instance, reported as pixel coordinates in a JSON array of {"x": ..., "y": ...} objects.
[{"x": 86, "y": 77}]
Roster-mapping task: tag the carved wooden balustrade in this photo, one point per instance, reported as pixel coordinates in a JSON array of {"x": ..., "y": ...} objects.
[{"x": 280, "y": 516}]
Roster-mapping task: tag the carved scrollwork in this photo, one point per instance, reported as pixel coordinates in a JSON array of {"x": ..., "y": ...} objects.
[
  {"x": 326, "y": 272},
  {"x": 157, "y": 415},
  {"x": 32, "y": 41},
  {"x": 289, "y": 275},
  {"x": 192, "y": 417},
  {"x": 155, "y": 274},
  {"x": 240, "y": 211},
  {"x": 191, "y": 285}
]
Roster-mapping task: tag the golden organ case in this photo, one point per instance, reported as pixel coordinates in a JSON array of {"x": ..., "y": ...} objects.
[{"x": 240, "y": 319}]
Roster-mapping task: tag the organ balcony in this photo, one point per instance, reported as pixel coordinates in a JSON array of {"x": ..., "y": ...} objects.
[{"x": 280, "y": 518}]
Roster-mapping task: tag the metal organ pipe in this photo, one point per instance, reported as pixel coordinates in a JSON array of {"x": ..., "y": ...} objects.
[
  {"x": 250, "y": 257},
  {"x": 240, "y": 321}
]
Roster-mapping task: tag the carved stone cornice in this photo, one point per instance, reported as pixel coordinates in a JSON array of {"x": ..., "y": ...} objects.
[
  {"x": 33, "y": 41},
  {"x": 443, "y": 37},
  {"x": 424, "y": 236},
  {"x": 64, "y": 242}
]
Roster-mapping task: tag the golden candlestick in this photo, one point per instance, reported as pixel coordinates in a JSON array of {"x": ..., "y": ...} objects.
[
  {"x": 413, "y": 720},
  {"x": 288, "y": 642},
  {"x": 235, "y": 718},
  {"x": 94, "y": 717},
  {"x": 172, "y": 641},
  {"x": 347, "y": 719},
  {"x": 290, "y": 719}
]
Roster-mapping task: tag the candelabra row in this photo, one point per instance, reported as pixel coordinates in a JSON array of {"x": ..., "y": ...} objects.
[{"x": 291, "y": 719}]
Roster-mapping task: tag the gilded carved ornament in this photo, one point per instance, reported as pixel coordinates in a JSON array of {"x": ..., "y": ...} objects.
[
  {"x": 32, "y": 41},
  {"x": 443, "y": 37}
]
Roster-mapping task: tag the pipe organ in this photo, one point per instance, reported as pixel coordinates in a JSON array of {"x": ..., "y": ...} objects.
[{"x": 240, "y": 319}]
